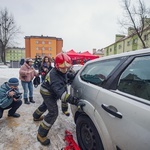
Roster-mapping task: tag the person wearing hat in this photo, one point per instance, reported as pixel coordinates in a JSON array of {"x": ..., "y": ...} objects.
[
  {"x": 26, "y": 75},
  {"x": 8, "y": 90}
]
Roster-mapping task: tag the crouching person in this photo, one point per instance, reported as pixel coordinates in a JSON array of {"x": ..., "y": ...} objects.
[
  {"x": 54, "y": 87},
  {"x": 10, "y": 97}
]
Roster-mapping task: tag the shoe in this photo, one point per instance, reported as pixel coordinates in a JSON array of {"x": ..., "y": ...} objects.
[
  {"x": 43, "y": 140},
  {"x": 26, "y": 101},
  {"x": 15, "y": 115},
  {"x": 39, "y": 119},
  {"x": 32, "y": 101}
]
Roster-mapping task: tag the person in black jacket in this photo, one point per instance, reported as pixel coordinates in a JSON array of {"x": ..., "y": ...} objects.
[
  {"x": 54, "y": 87},
  {"x": 45, "y": 67},
  {"x": 37, "y": 62}
]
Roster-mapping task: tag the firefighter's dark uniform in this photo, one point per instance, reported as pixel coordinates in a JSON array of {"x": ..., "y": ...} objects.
[{"x": 53, "y": 88}]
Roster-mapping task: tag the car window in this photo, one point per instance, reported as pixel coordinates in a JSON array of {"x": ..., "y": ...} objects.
[
  {"x": 135, "y": 80},
  {"x": 97, "y": 72}
]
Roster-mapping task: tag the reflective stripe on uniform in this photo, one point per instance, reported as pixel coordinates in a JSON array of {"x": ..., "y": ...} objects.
[
  {"x": 46, "y": 124},
  {"x": 39, "y": 112},
  {"x": 64, "y": 96},
  {"x": 44, "y": 91}
]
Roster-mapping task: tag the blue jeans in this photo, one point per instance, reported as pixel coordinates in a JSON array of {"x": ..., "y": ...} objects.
[{"x": 27, "y": 86}]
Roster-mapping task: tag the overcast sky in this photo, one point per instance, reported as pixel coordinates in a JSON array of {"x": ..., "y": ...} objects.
[{"x": 82, "y": 24}]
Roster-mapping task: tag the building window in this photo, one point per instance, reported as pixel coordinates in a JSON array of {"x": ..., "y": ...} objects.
[
  {"x": 107, "y": 52},
  {"x": 110, "y": 49},
  {"x": 37, "y": 42},
  {"x": 128, "y": 43},
  {"x": 37, "y": 48},
  {"x": 119, "y": 46},
  {"x": 49, "y": 48},
  {"x": 134, "y": 41},
  {"x": 43, "y": 48},
  {"x": 145, "y": 37},
  {"x": 49, "y": 42},
  {"x": 43, "y": 42}
]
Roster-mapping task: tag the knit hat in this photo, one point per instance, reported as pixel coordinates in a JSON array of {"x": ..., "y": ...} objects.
[
  {"x": 13, "y": 82},
  {"x": 29, "y": 59}
]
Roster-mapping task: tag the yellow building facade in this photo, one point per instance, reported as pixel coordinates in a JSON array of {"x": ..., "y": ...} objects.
[{"x": 128, "y": 43}]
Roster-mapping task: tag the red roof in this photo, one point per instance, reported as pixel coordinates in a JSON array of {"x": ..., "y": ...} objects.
[
  {"x": 84, "y": 55},
  {"x": 72, "y": 54},
  {"x": 88, "y": 55}
]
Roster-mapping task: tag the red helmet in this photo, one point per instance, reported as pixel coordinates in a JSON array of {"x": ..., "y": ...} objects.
[{"x": 62, "y": 61}]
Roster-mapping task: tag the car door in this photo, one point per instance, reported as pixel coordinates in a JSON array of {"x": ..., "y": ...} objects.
[
  {"x": 84, "y": 84},
  {"x": 126, "y": 110}
]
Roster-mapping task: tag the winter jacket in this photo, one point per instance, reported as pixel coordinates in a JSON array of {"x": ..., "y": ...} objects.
[
  {"x": 54, "y": 84},
  {"x": 41, "y": 70},
  {"x": 27, "y": 73},
  {"x": 5, "y": 100}
]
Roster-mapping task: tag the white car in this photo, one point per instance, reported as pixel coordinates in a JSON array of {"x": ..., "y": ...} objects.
[
  {"x": 116, "y": 93},
  {"x": 76, "y": 67}
]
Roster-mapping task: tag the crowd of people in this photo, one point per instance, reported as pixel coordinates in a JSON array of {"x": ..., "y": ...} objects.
[{"x": 53, "y": 87}]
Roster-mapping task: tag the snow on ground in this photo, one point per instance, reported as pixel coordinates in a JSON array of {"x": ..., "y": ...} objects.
[{"x": 20, "y": 133}]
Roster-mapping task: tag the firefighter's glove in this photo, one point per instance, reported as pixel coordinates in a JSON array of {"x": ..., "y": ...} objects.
[
  {"x": 72, "y": 100},
  {"x": 75, "y": 101},
  {"x": 80, "y": 105}
]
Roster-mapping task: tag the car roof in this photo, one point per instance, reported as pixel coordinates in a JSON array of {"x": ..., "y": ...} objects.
[{"x": 142, "y": 51}]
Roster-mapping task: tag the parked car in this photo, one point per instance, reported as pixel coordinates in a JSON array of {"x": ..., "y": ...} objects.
[
  {"x": 76, "y": 67},
  {"x": 116, "y": 93}
]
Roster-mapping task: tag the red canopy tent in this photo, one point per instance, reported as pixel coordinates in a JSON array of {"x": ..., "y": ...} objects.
[
  {"x": 80, "y": 57},
  {"x": 87, "y": 55},
  {"x": 73, "y": 55}
]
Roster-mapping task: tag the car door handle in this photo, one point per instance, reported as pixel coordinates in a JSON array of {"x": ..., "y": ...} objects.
[{"x": 112, "y": 110}]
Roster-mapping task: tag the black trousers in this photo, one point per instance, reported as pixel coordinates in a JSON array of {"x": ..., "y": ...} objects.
[
  {"x": 50, "y": 104},
  {"x": 13, "y": 108}
]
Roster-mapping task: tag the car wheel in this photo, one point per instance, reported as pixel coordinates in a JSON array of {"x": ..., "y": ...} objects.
[{"x": 87, "y": 134}]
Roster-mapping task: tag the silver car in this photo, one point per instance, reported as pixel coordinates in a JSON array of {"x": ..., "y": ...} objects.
[{"x": 116, "y": 93}]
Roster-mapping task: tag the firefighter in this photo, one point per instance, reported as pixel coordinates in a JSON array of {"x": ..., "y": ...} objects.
[{"x": 54, "y": 87}]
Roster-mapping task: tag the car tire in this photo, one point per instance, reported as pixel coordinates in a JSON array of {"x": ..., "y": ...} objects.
[{"x": 87, "y": 134}]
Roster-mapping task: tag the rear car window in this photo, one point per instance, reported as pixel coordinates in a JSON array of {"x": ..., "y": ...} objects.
[
  {"x": 97, "y": 72},
  {"x": 135, "y": 80}
]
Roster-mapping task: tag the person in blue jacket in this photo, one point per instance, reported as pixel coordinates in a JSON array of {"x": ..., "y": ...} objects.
[{"x": 10, "y": 97}]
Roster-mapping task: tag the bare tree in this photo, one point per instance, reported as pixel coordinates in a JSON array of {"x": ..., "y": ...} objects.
[
  {"x": 8, "y": 32},
  {"x": 136, "y": 17}
]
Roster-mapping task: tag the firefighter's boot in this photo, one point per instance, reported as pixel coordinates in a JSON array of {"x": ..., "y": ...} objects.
[
  {"x": 37, "y": 115},
  {"x": 42, "y": 133},
  {"x": 64, "y": 107}
]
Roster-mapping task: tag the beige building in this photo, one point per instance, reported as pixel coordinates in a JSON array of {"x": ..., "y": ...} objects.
[
  {"x": 14, "y": 54},
  {"x": 127, "y": 43},
  {"x": 98, "y": 52}
]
